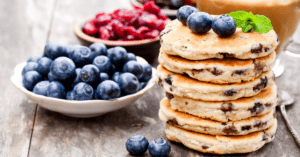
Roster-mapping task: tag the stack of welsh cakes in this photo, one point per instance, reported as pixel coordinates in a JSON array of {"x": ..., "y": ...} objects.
[{"x": 220, "y": 92}]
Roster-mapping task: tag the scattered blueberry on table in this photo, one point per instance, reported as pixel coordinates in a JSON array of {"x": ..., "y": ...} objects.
[
  {"x": 137, "y": 145},
  {"x": 75, "y": 72},
  {"x": 159, "y": 148}
]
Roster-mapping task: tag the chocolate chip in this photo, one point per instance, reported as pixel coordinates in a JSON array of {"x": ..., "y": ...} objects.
[
  {"x": 172, "y": 122},
  {"x": 257, "y": 48},
  {"x": 226, "y": 55},
  {"x": 160, "y": 82},
  {"x": 194, "y": 71},
  {"x": 265, "y": 137},
  {"x": 205, "y": 147},
  {"x": 227, "y": 107},
  {"x": 257, "y": 108},
  {"x": 184, "y": 47},
  {"x": 268, "y": 105},
  {"x": 267, "y": 49},
  {"x": 260, "y": 124},
  {"x": 223, "y": 123},
  {"x": 169, "y": 79},
  {"x": 171, "y": 89},
  {"x": 216, "y": 72},
  {"x": 263, "y": 84},
  {"x": 246, "y": 127},
  {"x": 239, "y": 72},
  {"x": 258, "y": 66},
  {"x": 230, "y": 92},
  {"x": 229, "y": 130},
  {"x": 169, "y": 95}
]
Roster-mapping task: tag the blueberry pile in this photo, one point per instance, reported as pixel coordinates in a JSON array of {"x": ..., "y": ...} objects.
[
  {"x": 75, "y": 72},
  {"x": 137, "y": 145},
  {"x": 202, "y": 22}
]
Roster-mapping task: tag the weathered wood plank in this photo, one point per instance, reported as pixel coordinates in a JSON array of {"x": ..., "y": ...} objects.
[
  {"x": 24, "y": 26},
  {"x": 58, "y": 135}
]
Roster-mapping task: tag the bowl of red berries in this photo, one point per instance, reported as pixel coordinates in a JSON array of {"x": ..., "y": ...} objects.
[
  {"x": 82, "y": 81},
  {"x": 137, "y": 29}
]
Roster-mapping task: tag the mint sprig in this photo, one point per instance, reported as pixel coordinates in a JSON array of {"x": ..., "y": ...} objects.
[{"x": 248, "y": 21}]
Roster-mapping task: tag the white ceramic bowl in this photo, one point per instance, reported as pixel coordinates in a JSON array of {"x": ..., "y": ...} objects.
[{"x": 81, "y": 109}]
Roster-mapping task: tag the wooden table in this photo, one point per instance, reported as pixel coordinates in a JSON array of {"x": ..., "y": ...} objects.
[{"x": 26, "y": 129}]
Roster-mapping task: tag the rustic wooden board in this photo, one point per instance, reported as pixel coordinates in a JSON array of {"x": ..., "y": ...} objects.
[
  {"x": 24, "y": 27},
  {"x": 57, "y": 135}
]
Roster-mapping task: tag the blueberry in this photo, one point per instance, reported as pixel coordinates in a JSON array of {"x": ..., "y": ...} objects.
[
  {"x": 200, "y": 22},
  {"x": 82, "y": 55},
  {"x": 117, "y": 56},
  {"x": 62, "y": 68},
  {"x": 56, "y": 90},
  {"x": 147, "y": 75},
  {"x": 116, "y": 76},
  {"x": 143, "y": 85},
  {"x": 44, "y": 66},
  {"x": 184, "y": 12},
  {"x": 41, "y": 88},
  {"x": 103, "y": 63},
  {"x": 50, "y": 77},
  {"x": 135, "y": 68},
  {"x": 112, "y": 70},
  {"x": 83, "y": 91},
  {"x": 70, "y": 95},
  {"x": 30, "y": 66},
  {"x": 30, "y": 79},
  {"x": 104, "y": 76},
  {"x": 128, "y": 83},
  {"x": 159, "y": 148},
  {"x": 90, "y": 74},
  {"x": 98, "y": 49},
  {"x": 130, "y": 57},
  {"x": 69, "y": 49},
  {"x": 137, "y": 145},
  {"x": 34, "y": 58},
  {"x": 53, "y": 50},
  {"x": 224, "y": 26},
  {"x": 176, "y": 3},
  {"x": 107, "y": 90},
  {"x": 77, "y": 77}
]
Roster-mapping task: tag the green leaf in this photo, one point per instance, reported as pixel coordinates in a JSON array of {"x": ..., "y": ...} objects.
[{"x": 246, "y": 21}]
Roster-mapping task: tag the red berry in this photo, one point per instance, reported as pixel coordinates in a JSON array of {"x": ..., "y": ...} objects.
[
  {"x": 162, "y": 16},
  {"x": 89, "y": 28},
  {"x": 160, "y": 24},
  {"x": 130, "y": 30},
  {"x": 102, "y": 20},
  {"x": 111, "y": 31},
  {"x": 115, "y": 14},
  {"x": 152, "y": 35},
  {"x": 135, "y": 7},
  {"x": 129, "y": 38},
  {"x": 104, "y": 33},
  {"x": 147, "y": 20},
  {"x": 151, "y": 7},
  {"x": 143, "y": 30},
  {"x": 99, "y": 14},
  {"x": 119, "y": 29}
]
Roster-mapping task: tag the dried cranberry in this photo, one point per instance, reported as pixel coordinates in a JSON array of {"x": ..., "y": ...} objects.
[
  {"x": 99, "y": 14},
  {"x": 89, "y": 28},
  {"x": 136, "y": 7},
  {"x": 162, "y": 16},
  {"x": 115, "y": 14},
  {"x": 143, "y": 30},
  {"x": 118, "y": 28},
  {"x": 129, "y": 38},
  {"x": 151, "y": 7},
  {"x": 130, "y": 30},
  {"x": 104, "y": 33},
  {"x": 102, "y": 20},
  {"x": 152, "y": 35},
  {"x": 147, "y": 19},
  {"x": 160, "y": 25}
]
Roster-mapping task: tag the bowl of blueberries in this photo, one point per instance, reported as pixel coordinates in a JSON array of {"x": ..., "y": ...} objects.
[{"x": 82, "y": 81}]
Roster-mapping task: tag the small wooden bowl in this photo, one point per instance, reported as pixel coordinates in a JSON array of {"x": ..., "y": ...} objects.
[{"x": 147, "y": 48}]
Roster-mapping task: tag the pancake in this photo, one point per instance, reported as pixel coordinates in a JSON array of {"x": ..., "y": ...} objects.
[
  {"x": 178, "y": 39},
  {"x": 219, "y": 71},
  {"x": 185, "y": 86},
  {"x": 234, "y": 110},
  {"x": 221, "y": 144},
  {"x": 206, "y": 126}
]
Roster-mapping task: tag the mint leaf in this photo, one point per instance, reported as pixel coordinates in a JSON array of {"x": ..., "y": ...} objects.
[{"x": 248, "y": 21}]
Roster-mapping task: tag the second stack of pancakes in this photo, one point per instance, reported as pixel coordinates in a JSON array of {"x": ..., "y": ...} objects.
[{"x": 220, "y": 92}]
